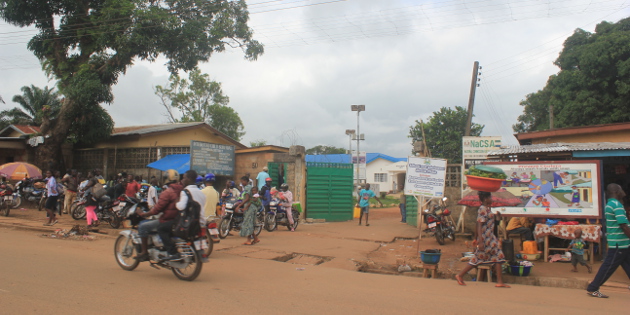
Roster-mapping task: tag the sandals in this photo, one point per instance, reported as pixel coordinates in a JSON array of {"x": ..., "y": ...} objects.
[
  {"x": 256, "y": 241},
  {"x": 502, "y": 286},
  {"x": 248, "y": 243},
  {"x": 54, "y": 223},
  {"x": 460, "y": 281},
  {"x": 597, "y": 294}
]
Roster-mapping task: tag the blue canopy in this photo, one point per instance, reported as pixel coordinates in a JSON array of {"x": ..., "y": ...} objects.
[{"x": 178, "y": 162}]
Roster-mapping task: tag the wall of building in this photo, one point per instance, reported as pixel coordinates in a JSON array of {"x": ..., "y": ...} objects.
[{"x": 380, "y": 166}]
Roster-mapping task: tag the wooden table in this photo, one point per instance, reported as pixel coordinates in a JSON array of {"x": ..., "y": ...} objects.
[{"x": 590, "y": 233}]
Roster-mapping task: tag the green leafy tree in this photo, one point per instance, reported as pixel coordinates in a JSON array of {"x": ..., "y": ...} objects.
[
  {"x": 592, "y": 86},
  {"x": 200, "y": 99},
  {"x": 258, "y": 143},
  {"x": 37, "y": 106},
  {"x": 87, "y": 45},
  {"x": 325, "y": 149},
  {"x": 444, "y": 131}
]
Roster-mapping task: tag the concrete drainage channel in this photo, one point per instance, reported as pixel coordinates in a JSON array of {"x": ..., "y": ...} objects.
[{"x": 292, "y": 258}]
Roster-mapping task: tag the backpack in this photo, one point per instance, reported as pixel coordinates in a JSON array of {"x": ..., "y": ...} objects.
[{"x": 187, "y": 221}]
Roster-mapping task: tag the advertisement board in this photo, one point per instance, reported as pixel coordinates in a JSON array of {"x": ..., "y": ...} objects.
[
  {"x": 475, "y": 151},
  {"x": 425, "y": 177},
  {"x": 568, "y": 189},
  {"x": 206, "y": 157}
]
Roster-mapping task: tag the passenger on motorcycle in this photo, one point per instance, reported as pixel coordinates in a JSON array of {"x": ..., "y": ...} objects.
[
  {"x": 189, "y": 181},
  {"x": 287, "y": 202},
  {"x": 166, "y": 205}
]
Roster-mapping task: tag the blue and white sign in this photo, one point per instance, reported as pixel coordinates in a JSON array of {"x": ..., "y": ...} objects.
[
  {"x": 206, "y": 157},
  {"x": 425, "y": 177}
]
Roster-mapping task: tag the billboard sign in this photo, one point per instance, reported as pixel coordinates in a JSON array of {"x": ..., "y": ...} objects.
[
  {"x": 475, "y": 151},
  {"x": 425, "y": 177},
  {"x": 206, "y": 157}
]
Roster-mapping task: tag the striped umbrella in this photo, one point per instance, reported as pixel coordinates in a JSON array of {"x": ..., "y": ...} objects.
[
  {"x": 19, "y": 170},
  {"x": 501, "y": 198}
]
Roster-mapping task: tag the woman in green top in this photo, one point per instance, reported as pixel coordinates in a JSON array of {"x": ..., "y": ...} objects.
[{"x": 251, "y": 203}]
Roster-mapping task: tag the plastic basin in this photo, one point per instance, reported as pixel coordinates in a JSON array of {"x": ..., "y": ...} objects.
[
  {"x": 484, "y": 183},
  {"x": 521, "y": 271},
  {"x": 430, "y": 258}
]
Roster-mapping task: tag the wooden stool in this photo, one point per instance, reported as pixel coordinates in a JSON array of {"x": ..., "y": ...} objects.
[
  {"x": 426, "y": 268},
  {"x": 519, "y": 237},
  {"x": 488, "y": 273}
]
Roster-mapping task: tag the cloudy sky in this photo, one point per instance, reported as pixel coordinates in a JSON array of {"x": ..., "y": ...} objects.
[{"x": 403, "y": 59}]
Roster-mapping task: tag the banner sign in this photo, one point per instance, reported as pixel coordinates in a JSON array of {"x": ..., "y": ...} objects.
[
  {"x": 475, "y": 151},
  {"x": 557, "y": 189},
  {"x": 425, "y": 177},
  {"x": 206, "y": 157}
]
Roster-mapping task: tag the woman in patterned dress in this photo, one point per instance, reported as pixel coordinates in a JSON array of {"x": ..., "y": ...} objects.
[{"x": 488, "y": 251}]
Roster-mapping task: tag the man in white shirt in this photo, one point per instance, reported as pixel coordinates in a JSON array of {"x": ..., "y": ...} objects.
[
  {"x": 190, "y": 177},
  {"x": 152, "y": 196}
]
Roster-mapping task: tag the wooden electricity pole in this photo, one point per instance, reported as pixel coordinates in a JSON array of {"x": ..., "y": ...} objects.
[{"x": 471, "y": 98}]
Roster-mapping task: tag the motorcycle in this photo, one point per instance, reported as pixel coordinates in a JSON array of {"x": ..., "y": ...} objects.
[
  {"x": 29, "y": 190},
  {"x": 440, "y": 223},
  {"x": 17, "y": 195},
  {"x": 6, "y": 200},
  {"x": 278, "y": 216},
  {"x": 104, "y": 210},
  {"x": 128, "y": 245},
  {"x": 233, "y": 220}
]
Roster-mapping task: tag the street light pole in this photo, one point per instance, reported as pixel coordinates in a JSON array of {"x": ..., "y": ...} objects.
[
  {"x": 350, "y": 132},
  {"x": 358, "y": 109}
]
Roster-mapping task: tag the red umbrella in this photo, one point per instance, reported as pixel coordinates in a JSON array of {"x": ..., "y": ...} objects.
[
  {"x": 19, "y": 170},
  {"x": 501, "y": 198}
]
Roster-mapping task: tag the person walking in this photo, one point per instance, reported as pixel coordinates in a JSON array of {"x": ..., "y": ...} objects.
[
  {"x": 71, "y": 181},
  {"x": 488, "y": 251},
  {"x": 403, "y": 208},
  {"x": 250, "y": 206},
  {"x": 364, "y": 203},
  {"x": 262, "y": 178},
  {"x": 51, "y": 202},
  {"x": 618, "y": 235}
]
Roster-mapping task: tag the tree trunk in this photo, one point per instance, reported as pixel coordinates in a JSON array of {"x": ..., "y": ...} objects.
[{"x": 49, "y": 155}]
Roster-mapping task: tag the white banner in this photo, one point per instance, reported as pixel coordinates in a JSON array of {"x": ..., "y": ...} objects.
[
  {"x": 361, "y": 165},
  {"x": 425, "y": 177}
]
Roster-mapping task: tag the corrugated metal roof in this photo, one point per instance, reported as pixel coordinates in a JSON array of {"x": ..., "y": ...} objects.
[
  {"x": 560, "y": 147},
  {"x": 141, "y": 130}
]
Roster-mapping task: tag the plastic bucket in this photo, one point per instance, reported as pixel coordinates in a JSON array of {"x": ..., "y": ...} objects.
[
  {"x": 521, "y": 271},
  {"x": 430, "y": 258}
]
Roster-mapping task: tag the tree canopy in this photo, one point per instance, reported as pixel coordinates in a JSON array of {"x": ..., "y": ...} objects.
[
  {"x": 592, "y": 86},
  {"x": 200, "y": 99},
  {"x": 87, "y": 45},
  {"x": 444, "y": 131},
  {"x": 325, "y": 149},
  {"x": 36, "y": 105}
]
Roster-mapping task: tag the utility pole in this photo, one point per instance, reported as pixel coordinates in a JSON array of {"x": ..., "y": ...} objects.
[
  {"x": 550, "y": 116},
  {"x": 471, "y": 98}
]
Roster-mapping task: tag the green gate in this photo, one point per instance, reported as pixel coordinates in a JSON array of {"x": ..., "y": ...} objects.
[
  {"x": 412, "y": 210},
  {"x": 329, "y": 191},
  {"x": 274, "y": 173}
]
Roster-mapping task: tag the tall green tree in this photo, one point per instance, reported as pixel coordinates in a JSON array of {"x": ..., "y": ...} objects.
[
  {"x": 325, "y": 149},
  {"x": 592, "y": 86},
  {"x": 87, "y": 45},
  {"x": 200, "y": 99},
  {"x": 37, "y": 105},
  {"x": 444, "y": 131}
]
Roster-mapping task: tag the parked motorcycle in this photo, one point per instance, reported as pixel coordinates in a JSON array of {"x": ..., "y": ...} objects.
[
  {"x": 6, "y": 200},
  {"x": 233, "y": 220},
  {"x": 278, "y": 216},
  {"x": 128, "y": 245},
  {"x": 439, "y": 222},
  {"x": 29, "y": 190},
  {"x": 104, "y": 210}
]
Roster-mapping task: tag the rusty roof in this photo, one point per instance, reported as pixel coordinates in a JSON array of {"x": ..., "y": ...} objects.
[
  {"x": 164, "y": 128},
  {"x": 560, "y": 147},
  {"x": 573, "y": 131}
]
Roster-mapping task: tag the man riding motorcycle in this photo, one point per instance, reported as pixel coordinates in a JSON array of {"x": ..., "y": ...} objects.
[
  {"x": 166, "y": 205},
  {"x": 265, "y": 193}
]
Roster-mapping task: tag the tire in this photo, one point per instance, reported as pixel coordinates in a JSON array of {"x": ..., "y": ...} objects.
[
  {"x": 258, "y": 224},
  {"x": 224, "y": 226},
  {"x": 17, "y": 202},
  {"x": 296, "y": 220},
  {"x": 451, "y": 232},
  {"x": 77, "y": 212},
  {"x": 208, "y": 251},
  {"x": 42, "y": 203},
  {"x": 270, "y": 222},
  {"x": 439, "y": 234},
  {"x": 192, "y": 271},
  {"x": 114, "y": 219},
  {"x": 5, "y": 208},
  {"x": 124, "y": 250}
]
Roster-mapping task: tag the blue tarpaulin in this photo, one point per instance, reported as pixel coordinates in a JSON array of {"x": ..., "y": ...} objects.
[{"x": 178, "y": 162}]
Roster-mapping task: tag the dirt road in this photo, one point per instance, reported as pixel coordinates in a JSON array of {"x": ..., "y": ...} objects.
[{"x": 52, "y": 276}]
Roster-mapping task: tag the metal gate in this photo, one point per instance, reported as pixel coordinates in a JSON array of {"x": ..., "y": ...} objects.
[{"x": 329, "y": 191}]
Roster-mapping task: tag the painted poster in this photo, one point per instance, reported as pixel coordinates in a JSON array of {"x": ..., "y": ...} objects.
[
  {"x": 475, "y": 152},
  {"x": 425, "y": 177},
  {"x": 553, "y": 189}
]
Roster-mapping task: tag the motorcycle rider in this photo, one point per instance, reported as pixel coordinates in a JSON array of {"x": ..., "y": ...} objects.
[
  {"x": 265, "y": 193},
  {"x": 166, "y": 205},
  {"x": 287, "y": 203}
]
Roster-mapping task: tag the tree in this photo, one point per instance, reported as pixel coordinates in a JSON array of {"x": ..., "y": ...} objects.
[
  {"x": 258, "y": 143},
  {"x": 87, "y": 45},
  {"x": 444, "y": 131},
  {"x": 37, "y": 105},
  {"x": 592, "y": 86},
  {"x": 200, "y": 99},
  {"x": 325, "y": 149}
]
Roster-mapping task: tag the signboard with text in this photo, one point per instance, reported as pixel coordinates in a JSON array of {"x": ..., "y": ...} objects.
[
  {"x": 206, "y": 157},
  {"x": 475, "y": 151},
  {"x": 361, "y": 165},
  {"x": 425, "y": 177}
]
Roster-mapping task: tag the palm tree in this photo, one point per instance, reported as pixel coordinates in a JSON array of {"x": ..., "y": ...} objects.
[{"x": 36, "y": 104}]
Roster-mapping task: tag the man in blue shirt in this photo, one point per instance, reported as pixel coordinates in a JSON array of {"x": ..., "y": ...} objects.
[
  {"x": 262, "y": 176},
  {"x": 364, "y": 202}
]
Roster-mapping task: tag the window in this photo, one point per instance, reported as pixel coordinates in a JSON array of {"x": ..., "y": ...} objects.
[{"x": 380, "y": 177}]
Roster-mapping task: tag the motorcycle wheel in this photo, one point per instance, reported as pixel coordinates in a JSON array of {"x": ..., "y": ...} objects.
[
  {"x": 124, "y": 252},
  {"x": 208, "y": 250},
  {"x": 5, "y": 208},
  {"x": 439, "y": 234},
  {"x": 224, "y": 227},
  {"x": 270, "y": 222},
  {"x": 114, "y": 220},
  {"x": 258, "y": 224},
  {"x": 192, "y": 271},
  {"x": 77, "y": 212},
  {"x": 296, "y": 220},
  {"x": 42, "y": 204},
  {"x": 17, "y": 202}
]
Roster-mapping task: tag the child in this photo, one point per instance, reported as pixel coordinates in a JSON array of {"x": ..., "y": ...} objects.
[{"x": 577, "y": 252}]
